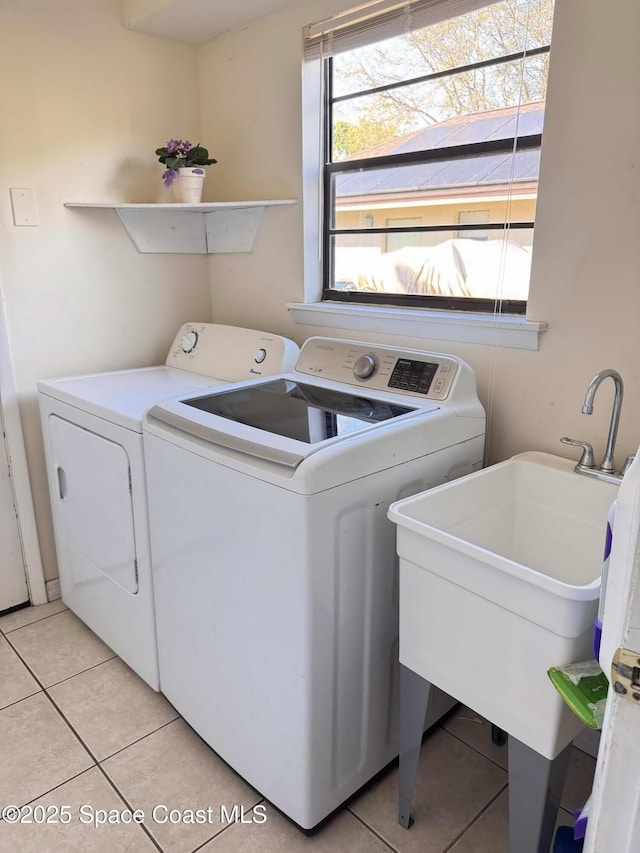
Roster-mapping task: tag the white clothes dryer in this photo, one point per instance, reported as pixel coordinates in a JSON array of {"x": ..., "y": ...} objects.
[
  {"x": 275, "y": 572},
  {"x": 92, "y": 429}
]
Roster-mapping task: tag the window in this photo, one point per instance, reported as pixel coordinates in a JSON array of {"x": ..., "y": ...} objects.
[
  {"x": 466, "y": 217},
  {"x": 397, "y": 238},
  {"x": 432, "y": 144}
]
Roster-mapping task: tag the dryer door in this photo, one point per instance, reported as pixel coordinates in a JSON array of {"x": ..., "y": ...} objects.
[{"x": 94, "y": 524}]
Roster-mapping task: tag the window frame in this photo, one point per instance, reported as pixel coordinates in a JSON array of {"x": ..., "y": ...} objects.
[{"x": 508, "y": 145}]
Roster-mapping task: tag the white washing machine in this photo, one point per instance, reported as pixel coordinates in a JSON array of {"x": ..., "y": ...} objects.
[
  {"x": 92, "y": 428},
  {"x": 275, "y": 573}
]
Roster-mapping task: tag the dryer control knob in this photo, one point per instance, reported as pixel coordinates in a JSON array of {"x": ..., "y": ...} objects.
[
  {"x": 259, "y": 355},
  {"x": 189, "y": 341},
  {"x": 365, "y": 366}
]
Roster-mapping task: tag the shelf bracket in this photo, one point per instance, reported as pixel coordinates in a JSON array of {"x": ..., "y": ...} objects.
[
  {"x": 201, "y": 229},
  {"x": 164, "y": 231},
  {"x": 232, "y": 230}
]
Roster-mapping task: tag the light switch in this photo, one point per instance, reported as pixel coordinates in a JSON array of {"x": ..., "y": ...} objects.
[{"x": 23, "y": 203}]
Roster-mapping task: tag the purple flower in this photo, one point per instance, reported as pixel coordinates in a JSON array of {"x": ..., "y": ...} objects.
[
  {"x": 177, "y": 154},
  {"x": 169, "y": 176}
]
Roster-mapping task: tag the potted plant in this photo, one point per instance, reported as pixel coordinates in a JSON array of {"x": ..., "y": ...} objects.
[{"x": 184, "y": 172}]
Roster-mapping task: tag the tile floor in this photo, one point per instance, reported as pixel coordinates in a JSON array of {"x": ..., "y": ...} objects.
[{"x": 79, "y": 729}]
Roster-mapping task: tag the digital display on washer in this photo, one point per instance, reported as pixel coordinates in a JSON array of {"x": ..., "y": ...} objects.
[
  {"x": 296, "y": 410},
  {"x": 410, "y": 375}
]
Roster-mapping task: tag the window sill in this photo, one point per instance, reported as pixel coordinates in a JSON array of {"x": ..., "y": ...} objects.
[{"x": 502, "y": 331}]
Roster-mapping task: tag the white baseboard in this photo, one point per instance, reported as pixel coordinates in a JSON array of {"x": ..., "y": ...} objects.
[{"x": 53, "y": 589}]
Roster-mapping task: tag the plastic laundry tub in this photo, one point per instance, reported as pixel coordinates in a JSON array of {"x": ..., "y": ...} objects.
[{"x": 499, "y": 581}]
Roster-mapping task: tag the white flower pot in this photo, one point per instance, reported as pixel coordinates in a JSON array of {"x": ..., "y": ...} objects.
[{"x": 187, "y": 187}]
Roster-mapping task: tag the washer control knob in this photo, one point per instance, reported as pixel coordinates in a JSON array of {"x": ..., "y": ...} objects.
[
  {"x": 259, "y": 355},
  {"x": 189, "y": 341},
  {"x": 365, "y": 366}
]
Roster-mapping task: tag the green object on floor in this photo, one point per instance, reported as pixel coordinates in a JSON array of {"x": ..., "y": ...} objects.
[{"x": 584, "y": 687}]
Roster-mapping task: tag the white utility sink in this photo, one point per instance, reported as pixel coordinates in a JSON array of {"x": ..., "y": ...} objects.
[{"x": 499, "y": 581}]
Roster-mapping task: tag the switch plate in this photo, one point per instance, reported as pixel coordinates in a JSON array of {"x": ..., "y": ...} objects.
[{"x": 23, "y": 204}]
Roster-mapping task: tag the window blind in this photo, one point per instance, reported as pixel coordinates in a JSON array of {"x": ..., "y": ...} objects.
[{"x": 378, "y": 20}]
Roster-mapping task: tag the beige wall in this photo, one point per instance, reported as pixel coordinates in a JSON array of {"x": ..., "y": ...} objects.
[
  {"x": 585, "y": 280},
  {"x": 494, "y": 210},
  {"x": 516, "y": 210},
  {"x": 84, "y": 104}
]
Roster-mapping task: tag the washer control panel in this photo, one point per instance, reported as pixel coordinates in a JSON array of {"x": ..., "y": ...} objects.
[
  {"x": 189, "y": 341},
  {"x": 365, "y": 366},
  {"x": 424, "y": 374}
]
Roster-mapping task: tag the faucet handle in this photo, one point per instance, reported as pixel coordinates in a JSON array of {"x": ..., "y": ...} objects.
[
  {"x": 627, "y": 464},
  {"x": 587, "y": 459}
]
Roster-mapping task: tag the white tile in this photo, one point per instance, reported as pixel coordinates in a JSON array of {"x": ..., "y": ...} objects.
[
  {"x": 110, "y": 707},
  {"x": 454, "y": 784},
  {"x": 16, "y": 682},
  {"x": 475, "y": 731},
  {"x": 20, "y": 618},
  {"x": 490, "y": 833},
  {"x": 579, "y": 782},
  {"x": 59, "y": 647},
  {"x": 76, "y": 830},
  {"x": 173, "y": 767},
  {"x": 342, "y": 834},
  {"x": 39, "y": 750}
]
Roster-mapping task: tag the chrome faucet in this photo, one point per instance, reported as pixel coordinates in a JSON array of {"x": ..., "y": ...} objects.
[
  {"x": 586, "y": 465},
  {"x": 607, "y": 464}
]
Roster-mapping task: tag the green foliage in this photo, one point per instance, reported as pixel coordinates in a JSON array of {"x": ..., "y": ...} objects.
[
  {"x": 369, "y": 132},
  {"x": 200, "y": 156},
  {"x": 178, "y": 157},
  {"x": 498, "y": 30}
]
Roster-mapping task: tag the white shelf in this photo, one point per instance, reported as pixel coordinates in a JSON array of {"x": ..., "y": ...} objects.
[{"x": 204, "y": 228}]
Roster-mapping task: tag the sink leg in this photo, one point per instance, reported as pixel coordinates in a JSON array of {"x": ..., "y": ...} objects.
[
  {"x": 414, "y": 698},
  {"x": 535, "y": 787},
  {"x": 498, "y": 736}
]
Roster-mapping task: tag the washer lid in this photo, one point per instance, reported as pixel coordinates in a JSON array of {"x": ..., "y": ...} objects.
[
  {"x": 307, "y": 413},
  {"x": 281, "y": 420}
]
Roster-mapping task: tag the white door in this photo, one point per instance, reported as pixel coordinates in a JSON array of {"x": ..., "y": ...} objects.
[
  {"x": 13, "y": 581},
  {"x": 93, "y": 509},
  {"x": 614, "y": 822}
]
